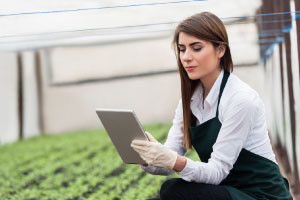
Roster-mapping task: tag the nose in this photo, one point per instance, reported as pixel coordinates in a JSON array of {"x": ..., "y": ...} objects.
[{"x": 187, "y": 56}]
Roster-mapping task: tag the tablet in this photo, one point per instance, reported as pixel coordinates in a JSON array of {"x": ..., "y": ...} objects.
[{"x": 122, "y": 127}]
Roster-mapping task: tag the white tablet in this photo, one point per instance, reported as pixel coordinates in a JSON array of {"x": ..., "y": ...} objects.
[{"x": 122, "y": 127}]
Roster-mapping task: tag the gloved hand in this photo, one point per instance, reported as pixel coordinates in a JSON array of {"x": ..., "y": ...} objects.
[
  {"x": 154, "y": 153},
  {"x": 150, "y": 137}
]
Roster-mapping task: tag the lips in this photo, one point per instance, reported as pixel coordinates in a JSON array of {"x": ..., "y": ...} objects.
[{"x": 190, "y": 68}]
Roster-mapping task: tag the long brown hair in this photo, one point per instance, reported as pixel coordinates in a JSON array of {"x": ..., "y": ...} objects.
[{"x": 205, "y": 26}]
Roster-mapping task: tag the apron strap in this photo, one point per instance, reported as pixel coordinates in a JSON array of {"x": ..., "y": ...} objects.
[{"x": 224, "y": 81}]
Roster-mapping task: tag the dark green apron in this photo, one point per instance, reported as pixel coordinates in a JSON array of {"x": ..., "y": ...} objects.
[{"x": 252, "y": 176}]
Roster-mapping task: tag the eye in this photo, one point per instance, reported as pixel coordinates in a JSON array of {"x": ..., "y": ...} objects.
[
  {"x": 197, "y": 49},
  {"x": 181, "y": 50}
]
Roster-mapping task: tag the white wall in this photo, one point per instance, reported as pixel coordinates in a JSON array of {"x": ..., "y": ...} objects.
[
  {"x": 114, "y": 59},
  {"x": 153, "y": 98}
]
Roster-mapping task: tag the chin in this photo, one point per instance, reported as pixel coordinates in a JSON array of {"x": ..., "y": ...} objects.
[{"x": 194, "y": 76}]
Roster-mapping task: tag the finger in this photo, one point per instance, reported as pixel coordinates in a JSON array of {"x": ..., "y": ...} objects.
[
  {"x": 133, "y": 144},
  {"x": 151, "y": 164},
  {"x": 145, "y": 158},
  {"x": 139, "y": 149},
  {"x": 151, "y": 138},
  {"x": 143, "y": 154},
  {"x": 140, "y": 142}
]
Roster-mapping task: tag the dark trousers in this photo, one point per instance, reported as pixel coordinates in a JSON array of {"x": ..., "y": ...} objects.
[{"x": 177, "y": 188}]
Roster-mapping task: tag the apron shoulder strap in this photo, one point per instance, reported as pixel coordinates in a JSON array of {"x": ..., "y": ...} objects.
[{"x": 224, "y": 81}]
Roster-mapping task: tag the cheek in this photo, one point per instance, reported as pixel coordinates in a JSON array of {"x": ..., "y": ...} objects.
[
  {"x": 207, "y": 58},
  {"x": 203, "y": 57}
]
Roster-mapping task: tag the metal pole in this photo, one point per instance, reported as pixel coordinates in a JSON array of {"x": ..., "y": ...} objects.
[
  {"x": 20, "y": 94},
  {"x": 39, "y": 84}
]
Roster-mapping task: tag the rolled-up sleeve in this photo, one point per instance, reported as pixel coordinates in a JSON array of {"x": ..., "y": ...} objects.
[{"x": 237, "y": 121}]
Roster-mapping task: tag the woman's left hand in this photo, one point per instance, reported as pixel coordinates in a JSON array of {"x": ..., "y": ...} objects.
[{"x": 155, "y": 154}]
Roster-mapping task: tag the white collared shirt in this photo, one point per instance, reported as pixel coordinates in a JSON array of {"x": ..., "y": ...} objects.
[{"x": 242, "y": 115}]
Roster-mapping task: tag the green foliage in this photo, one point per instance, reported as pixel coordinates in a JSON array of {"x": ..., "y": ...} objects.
[{"x": 75, "y": 166}]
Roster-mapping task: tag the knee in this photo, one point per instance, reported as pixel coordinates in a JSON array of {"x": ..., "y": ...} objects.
[{"x": 168, "y": 188}]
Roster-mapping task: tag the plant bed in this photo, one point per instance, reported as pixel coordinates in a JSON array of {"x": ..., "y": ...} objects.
[{"x": 75, "y": 166}]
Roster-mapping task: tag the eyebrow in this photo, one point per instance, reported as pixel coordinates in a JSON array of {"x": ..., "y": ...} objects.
[{"x": 191, "y": 43}]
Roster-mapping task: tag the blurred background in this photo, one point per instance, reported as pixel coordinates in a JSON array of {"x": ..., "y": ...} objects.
[{"x": 59, "y": 61}]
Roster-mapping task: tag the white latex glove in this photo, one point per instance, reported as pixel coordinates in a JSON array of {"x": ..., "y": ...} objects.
[
  {"x": 150, "y": 137},
  {"x": 154, "y": 153}
]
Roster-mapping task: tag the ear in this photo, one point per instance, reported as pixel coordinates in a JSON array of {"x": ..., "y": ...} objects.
[{"x": 221, "y": 50}]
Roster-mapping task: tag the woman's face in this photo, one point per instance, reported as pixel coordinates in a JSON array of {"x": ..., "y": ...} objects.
[{"x": 199, "y": 57}]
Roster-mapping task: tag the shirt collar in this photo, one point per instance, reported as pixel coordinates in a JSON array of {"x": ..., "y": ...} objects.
[
  {"x": 213, "y": 93},
  {"x": 197, "y": 95}
]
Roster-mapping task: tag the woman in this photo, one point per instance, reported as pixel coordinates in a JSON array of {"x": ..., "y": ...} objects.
[{"x": 222, "y": 118}]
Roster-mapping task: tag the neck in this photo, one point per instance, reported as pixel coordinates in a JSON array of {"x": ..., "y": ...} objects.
[{"x": 208, "y": 81}]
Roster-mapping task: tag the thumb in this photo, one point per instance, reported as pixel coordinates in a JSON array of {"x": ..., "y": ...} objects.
[{"x": 151, "y": 138}]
